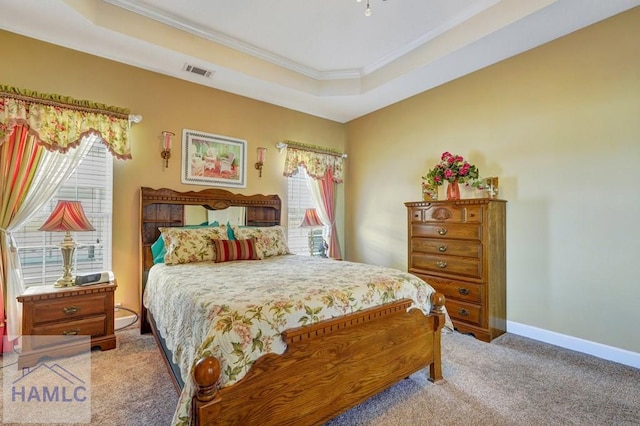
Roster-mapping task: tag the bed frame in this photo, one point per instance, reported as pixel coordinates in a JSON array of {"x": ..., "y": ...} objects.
[{"x": 328, "y": 367}]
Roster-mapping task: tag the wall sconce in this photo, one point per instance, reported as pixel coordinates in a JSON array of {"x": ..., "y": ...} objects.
[
  {"x": 166, "y": 146},
  {"x": 261, "y": 153}
]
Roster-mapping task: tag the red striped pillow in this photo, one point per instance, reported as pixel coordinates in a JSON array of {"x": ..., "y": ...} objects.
[{"x": 227, "y": 250}]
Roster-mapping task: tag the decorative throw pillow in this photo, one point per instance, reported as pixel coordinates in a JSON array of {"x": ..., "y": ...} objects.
[
  {"x": 228, "y": 250},
  {"x": 270, "y": 240},
  {"x": 158, "y": 251},
  {"x": 186, "y": 245}
]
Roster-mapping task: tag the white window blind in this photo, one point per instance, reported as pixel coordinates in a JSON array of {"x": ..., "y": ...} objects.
[
  {"x": 298, "y": 200},
  {"x": 92, "y": 185}
]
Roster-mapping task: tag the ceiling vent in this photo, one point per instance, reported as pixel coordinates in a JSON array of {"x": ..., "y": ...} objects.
[{"x": 197, "y": 70}]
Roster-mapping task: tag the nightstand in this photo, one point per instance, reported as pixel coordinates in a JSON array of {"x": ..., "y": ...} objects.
[{"x": 48, "y": 312}]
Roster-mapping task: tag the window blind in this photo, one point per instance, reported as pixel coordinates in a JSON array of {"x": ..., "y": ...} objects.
[{"x": 298, "y": 200}]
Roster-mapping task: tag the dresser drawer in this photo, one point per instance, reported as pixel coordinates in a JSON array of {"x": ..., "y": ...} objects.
[
  {"x": 68, "y": 307},
  {"x": 463, "y": 231},
  {"x": 449, "y": 214},
  {"x": 447, "y": 264},
  {"x": 464, "y": 311},
  {"x": 450, "y": 247},
  {"x": 93, "y": 326},
  {"x": 456, "y": 290}
]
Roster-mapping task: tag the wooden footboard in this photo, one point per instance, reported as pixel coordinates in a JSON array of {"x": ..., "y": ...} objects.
[{"x": 327, "y": 368}]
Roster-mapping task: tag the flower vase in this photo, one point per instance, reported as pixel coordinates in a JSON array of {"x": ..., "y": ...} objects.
[{"x": 453, "y": 190}]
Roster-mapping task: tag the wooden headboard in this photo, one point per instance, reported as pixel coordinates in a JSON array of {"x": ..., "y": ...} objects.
[{"x": 165, "y": 207}]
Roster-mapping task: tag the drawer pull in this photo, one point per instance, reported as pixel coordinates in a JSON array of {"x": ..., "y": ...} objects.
[
  {"x": 463, "y": 291},
  {"x": 73, "y": 332},
  {"x": 463, "y": 312},
  {"x": 442, "y": 249},
  {"x": 70, "y": 310},
  {"x": 441, "y": 264},
  {"x": 442, "y": 231}
]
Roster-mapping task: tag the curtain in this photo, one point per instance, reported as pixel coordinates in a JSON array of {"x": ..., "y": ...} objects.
[
  {"x": 324, "y": 170},
  {"x": 323, "y": 195},
  {"x": 43, "y": 138},
  {"x": 59, "y": 123},
  {"x": 315, "y": 162}
]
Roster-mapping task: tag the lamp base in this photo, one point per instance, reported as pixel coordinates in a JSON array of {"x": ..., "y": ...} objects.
[
  {"x": 67, "y": 248},
  {"x": 65, "y": 282}
]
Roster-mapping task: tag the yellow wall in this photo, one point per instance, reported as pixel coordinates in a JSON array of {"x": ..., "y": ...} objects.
[
  {"x": 560, "y": 126},
  {"x": 166, "y": 104}
]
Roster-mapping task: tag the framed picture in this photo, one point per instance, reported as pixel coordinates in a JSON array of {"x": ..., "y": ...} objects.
[{"x": 209, "y": 159}]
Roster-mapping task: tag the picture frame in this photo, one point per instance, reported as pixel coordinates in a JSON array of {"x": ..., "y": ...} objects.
[{"x": 214, "y": 160}]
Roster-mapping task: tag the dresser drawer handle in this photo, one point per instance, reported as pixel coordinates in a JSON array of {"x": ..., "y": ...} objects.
[
  {"x": 463, "y": 312},
  {"x": 70, "y": 310},
  {"x": 442, "y": 249},
  {"x": 73, "y": 332},
  {"x": 463, "y": 291},
  {"x": 441, "y": 264},
  {"x": 442, "y": 231}
]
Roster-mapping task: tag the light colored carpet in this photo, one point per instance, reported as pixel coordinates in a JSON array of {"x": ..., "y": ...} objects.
[{"x": 512, "y": 381}]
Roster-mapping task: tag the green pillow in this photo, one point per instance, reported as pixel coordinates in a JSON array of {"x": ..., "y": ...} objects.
[
  {"x": 158, "y": 249},
  {"x": 230, "y": 233}
]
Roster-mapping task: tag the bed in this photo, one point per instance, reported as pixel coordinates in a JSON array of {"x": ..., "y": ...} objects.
[{"x": 322, "y": 362}]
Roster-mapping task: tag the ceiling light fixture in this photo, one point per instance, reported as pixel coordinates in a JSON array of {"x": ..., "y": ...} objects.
[{"x": 367, "y": 11}]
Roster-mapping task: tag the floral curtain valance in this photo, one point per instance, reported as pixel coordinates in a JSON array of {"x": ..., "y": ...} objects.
[
  {"x": 316, "y": 160},
  {"x": 59, "y": 123}
]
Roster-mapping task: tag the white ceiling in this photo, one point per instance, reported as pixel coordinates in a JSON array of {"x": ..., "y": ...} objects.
[{"x": 322, "y": 57}]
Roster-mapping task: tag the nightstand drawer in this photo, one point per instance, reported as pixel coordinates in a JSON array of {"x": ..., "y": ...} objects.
[
  {"x": 465, "y": 231},
  {"x": 447, "y": 264},
  {"x": 68, "y": 307},
  {"x": 450, "y": 247},
  {"x": 94, "y": 327},
  {"x": 463, "y": 311}
]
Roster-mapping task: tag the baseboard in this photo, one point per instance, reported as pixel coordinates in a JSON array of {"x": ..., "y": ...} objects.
[
  {"x": 599, "y": 350},
  {"x": 121, "y": 322}
]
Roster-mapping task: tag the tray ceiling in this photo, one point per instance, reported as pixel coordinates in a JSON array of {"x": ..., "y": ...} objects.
[{"x": 322, "y": 57}]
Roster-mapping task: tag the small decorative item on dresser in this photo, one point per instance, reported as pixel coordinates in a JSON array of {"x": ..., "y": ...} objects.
[
  {"x": 454, "y": 170},
  {"x": 491, "y": 186},
  {"x": 429, "y": 192}
]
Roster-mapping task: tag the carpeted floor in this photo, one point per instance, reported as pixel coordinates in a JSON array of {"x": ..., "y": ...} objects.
[{"x": 512, "y": 381}]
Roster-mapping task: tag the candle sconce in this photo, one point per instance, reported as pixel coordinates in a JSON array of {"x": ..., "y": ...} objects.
[
  {"x": 166, "y": 147},
  {"x": 261, "y": 155}
]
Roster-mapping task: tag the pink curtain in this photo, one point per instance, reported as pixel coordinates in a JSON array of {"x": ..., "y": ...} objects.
[
  {"x": 327, "y": 191},
  {"x": 19, "y": 157}
]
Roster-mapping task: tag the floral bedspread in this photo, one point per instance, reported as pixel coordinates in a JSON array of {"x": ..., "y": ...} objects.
[{"x": 238, "y": 310}]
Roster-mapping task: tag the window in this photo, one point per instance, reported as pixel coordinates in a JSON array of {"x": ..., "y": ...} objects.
[
  {"x": 298, "y": 200},
  {"x": 92, "y": 185}
]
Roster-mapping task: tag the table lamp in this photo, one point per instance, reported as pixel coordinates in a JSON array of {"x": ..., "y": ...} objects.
[
  {"x": 311, "y": 220},
  {"x": 68, "y": 216}
]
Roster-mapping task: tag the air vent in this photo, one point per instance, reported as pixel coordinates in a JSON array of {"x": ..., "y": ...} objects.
[{"x": 197, "y": 70}]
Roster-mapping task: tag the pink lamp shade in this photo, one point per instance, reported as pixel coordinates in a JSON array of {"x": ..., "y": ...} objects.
[
  {"x": 67, "y": 216},
  {"x": 311, "y": 219}
]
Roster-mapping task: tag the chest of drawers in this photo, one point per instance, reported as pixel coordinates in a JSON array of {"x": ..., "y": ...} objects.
[
  {"x": 459, "y": 248},
  {"x": 49, "y": 313}
]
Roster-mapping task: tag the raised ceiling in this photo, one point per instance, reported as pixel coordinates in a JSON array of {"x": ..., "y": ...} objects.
[{"x": 322, "y": 57}]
